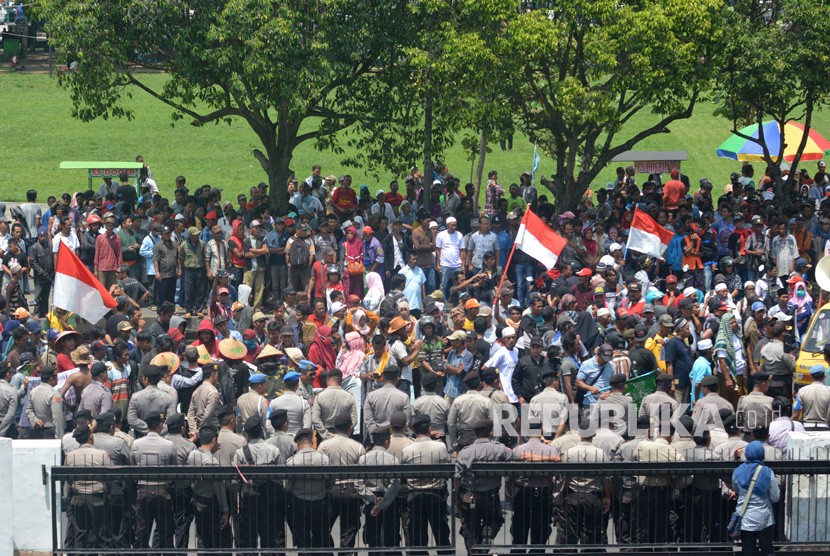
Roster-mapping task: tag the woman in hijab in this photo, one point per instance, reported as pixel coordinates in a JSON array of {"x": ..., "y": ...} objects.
[
  {"x": 322, "y": 353},
  {"x": 352, "y": 252},
  {"x": 591, "y": 247},
  {"x": 758, "y": 521},
  {"x": 374, "y": 292},
  {"x": 731, "y": 363},
  {"x": 348, "y": 360},
  {"x": 801, "y": 301}
]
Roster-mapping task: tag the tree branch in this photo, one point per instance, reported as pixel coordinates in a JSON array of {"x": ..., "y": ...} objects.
[{"x": 198, "y": 119}]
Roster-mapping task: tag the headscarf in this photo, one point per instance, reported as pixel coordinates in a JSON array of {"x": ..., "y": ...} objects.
[
  {"x": 74, "y": 202},
  {"x": 325, "y": 351},
  {"x": 754, "y": 453},
  {"x": 800, "y": 301},
  {"x": 351, "y": 354},
  {"x": 590, "y": 244},
  {"x": 363, "y": 329},
  {"x": 354, "y": 247},
  {"x": 724, "y": 341},
  {"x": 374, "y": 283}
]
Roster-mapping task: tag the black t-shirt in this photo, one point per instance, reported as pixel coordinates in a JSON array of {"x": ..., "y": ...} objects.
[
  {"x": 19, "y": 258},
  {"x": 678, "y": 354},
  {"x": 133, "y": 288},
  {"x": 642, "y": 360},
  {"x": 128, "y": 195},
  {"x": 112, "y": 324}
]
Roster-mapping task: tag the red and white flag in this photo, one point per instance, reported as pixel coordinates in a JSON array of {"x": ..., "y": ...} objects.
[
  {"x": 77, "y": 290},
  {"x": 647, "y": 236},
  {"x": 537, "y": 240}
]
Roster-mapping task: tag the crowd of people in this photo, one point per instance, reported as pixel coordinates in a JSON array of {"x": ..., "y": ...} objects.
[{"x": 349, "y": 328}]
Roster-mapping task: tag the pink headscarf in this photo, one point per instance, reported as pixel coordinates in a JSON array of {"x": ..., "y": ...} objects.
[{"x": 351, "y": 354}]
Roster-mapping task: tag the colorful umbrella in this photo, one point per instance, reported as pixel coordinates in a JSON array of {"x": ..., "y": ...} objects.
[{"x": 738, "y": 148}]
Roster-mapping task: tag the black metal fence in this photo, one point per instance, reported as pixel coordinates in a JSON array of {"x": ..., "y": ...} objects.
[{"x": 500, "y": 508}]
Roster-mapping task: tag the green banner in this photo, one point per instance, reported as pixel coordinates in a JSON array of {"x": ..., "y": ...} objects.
[{"x": 641, "y": 386}]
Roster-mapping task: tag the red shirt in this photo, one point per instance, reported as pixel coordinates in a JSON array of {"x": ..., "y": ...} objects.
[
  {"x": 345, "y": 199},
  {"x": 673, "y": 192},
  {"x": 394, "y": 199}
]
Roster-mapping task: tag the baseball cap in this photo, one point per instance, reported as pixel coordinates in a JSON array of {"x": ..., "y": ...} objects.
[
  {"x": 758, "y": 306},
  {"x": 818, "y": 369},
  {"x": 606, "y": 350},
  {"x": 585, "y": 272}
]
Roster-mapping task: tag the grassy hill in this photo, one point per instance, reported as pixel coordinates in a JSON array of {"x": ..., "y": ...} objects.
[{"x": 40, "y": 132}]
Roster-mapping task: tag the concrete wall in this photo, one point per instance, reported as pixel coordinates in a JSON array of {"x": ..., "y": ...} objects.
[
  {"x": 25, "y": 502},
  {"x": 809, "y": 495}
]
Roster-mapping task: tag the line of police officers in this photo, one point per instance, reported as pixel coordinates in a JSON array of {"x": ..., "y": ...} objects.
[{"x": 253, "y": 512}]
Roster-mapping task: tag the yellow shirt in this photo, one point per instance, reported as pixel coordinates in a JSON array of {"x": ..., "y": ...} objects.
[
  {"x": 655, "y": 346},
  {"x": 55, "y": 322}
]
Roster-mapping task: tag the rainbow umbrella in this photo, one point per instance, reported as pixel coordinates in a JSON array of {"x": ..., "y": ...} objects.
[{"x": 738, "y": 148}]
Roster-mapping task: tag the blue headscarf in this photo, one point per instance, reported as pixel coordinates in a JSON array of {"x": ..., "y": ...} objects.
[{"x": 754, "y": 453}]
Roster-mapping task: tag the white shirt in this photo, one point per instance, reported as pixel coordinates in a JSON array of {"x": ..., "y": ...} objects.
[
  {"x": 150, "y": 183},
  {"x": 71, "y": 241},
  {"x": 399, "y": 352},
  {"x": 388, "y": 212},
  {"x": 505, "y": 361},
  {"x": 450, "y": 246},
  {"x": 779, "y": 432}
]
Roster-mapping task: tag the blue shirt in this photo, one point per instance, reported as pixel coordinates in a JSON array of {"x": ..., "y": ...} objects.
[
  {"x": 276, "y": 240},
  {"x": 373, "y": 253},
  {"x": 588, "y": 372},
  {"x": 453, "y": 386},
  {"x": 413, "y": 289},
  {"x": 700, "y": 370},
  {"x": 677, "y": 353}
]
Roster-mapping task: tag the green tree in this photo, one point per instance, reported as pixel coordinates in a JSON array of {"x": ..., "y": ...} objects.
[
  {"x": 582, "y": 69},
  {"x": 292, "y": 70},
  {"x": 775, "y": 68}
]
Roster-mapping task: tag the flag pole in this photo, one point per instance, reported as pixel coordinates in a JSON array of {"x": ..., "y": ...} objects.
[
  {"x": 506, "y": 266},
  {"x": 51, "y": 305}
]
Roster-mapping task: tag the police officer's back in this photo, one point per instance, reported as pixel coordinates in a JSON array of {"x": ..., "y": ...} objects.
[
  {"x": 331, "y": 404},
  {"x": 96, "y": 397},
  {"x": 151, "y": 400},
  {"x": 468, "y": 409},
  {"x": 381, "y": 403},
  {"x": 45, "y": 408},
  {"x": 280, "y": 438},
  {"x": 9, "y": 400},
  {"x": 432, "y": 404}
]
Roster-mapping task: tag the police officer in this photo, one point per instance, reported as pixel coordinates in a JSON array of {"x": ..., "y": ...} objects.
[
  {"x": 491, "y": 387},
  {"x": 153, "y": 496},
  {"x": 119, "y": 453},
  {"x": 527, "y": 376},
  {"x": 149, "y": 401},
  {"x": 45, "y": 408},
  {"x": 280, "y": 437},
  {"x": 87, "y": 501},
  {"x": 478, "y": 497},
  {"x": 587, "y": 498},
  {"x": 8, "y": 402},
  {"x": 432, "y": 405},
  {"x": 68, "y": 442},
  {"x": 331, "y": 405},
  {"x": 210, "y": 503},
  {"x": 381, "y": 511},
  {"x": 711, "y": 403},
  {"x": 813, "y": 401},
  {"x": 549, "y": 408},
  {"x": 262, "y": 506},
  {"x": 299, "y": 410},
  {"x": 381, "y": 403},
  {"x": 182, "y": 494},
  {"x": 308, "y": 505},
  {"x": 340, "y": 449},
  {"x": 95, "y": 397},
  {"x": 428, "y": 496},
  {"x": 532, "y": 497},
  {"x": 755, "y": 409},
  {"x": 468, "y": 409},
  {"x": 203, "y": 410},
  {"x": 252, "y": 403}
]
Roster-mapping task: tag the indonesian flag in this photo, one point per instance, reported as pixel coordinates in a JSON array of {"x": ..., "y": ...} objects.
[
  {"x": 537, "y": 240},
  {"x": 77, "y": 290},
  {"x": 647, "y": 236}
]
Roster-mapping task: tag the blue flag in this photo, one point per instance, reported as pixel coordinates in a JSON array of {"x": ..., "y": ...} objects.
[{"x": 536, "y": 160}]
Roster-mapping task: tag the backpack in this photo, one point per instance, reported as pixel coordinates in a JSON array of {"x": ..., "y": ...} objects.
[
  {"x": 299, "y": 253},
  {"x": 390, "y": 302}
]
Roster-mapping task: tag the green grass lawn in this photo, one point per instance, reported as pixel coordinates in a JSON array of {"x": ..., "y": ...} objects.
[{"x": 40, "y": 132}]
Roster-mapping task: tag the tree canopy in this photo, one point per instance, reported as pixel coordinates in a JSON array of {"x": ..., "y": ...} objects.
[{"x": 293, "y": 70}]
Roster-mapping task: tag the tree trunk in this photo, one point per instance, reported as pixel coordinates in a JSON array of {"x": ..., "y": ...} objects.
[
  {"x": 278, "y": 142},
  {"x": 566, "y": 192},
  {"x": 427, "y": 200},
  {"x": 482, "y": 153}
]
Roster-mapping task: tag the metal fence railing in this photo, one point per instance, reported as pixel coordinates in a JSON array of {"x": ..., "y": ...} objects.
[{"x": 499, "y": 508}]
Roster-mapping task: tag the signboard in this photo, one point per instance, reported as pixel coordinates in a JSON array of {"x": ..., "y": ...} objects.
[
  {"x": 111, "y": 172},
  {"x": 656, "y": 166}
]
